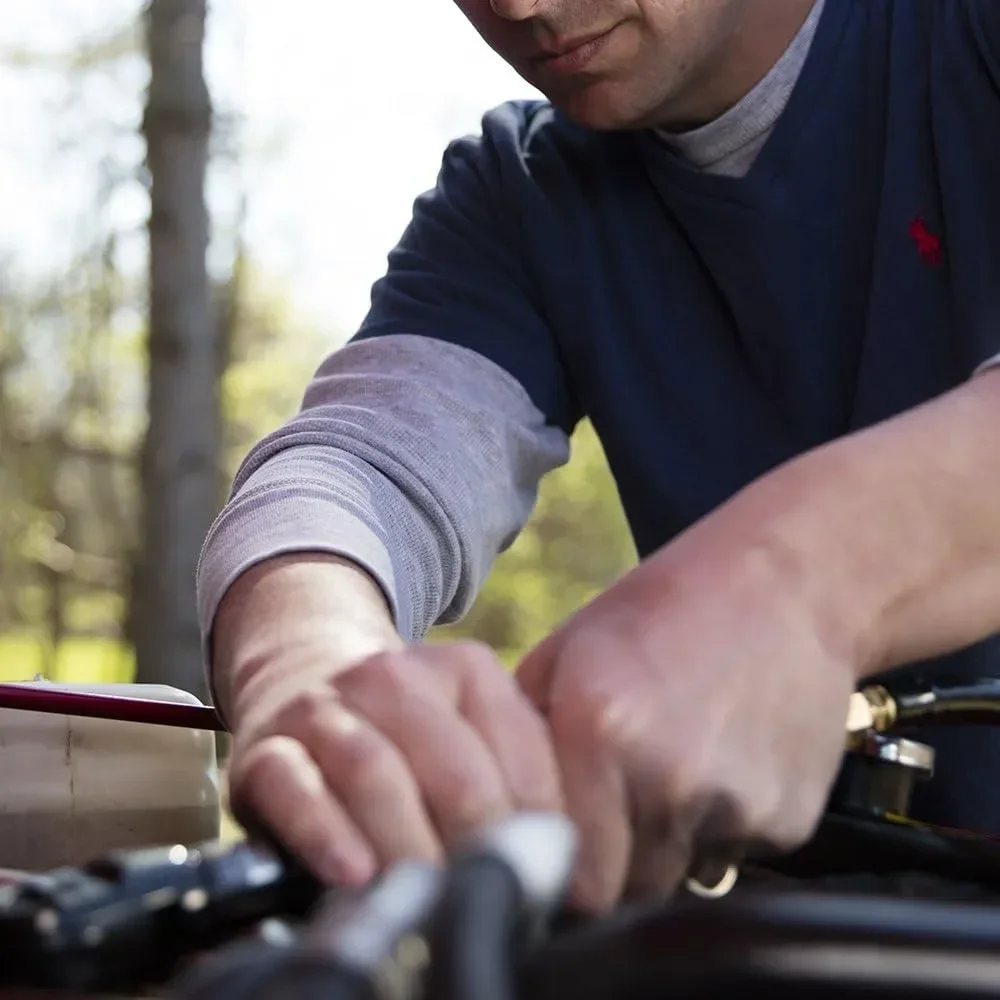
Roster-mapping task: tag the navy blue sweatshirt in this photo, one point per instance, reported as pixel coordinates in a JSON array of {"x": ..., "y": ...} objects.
[{"x": 712, "y": 327}]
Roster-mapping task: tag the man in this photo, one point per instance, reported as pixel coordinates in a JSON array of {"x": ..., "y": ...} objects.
[{"x": 757, "y": 242}]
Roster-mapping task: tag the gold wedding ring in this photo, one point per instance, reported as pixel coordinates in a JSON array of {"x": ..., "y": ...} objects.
[{"x": 712, "y": 879}]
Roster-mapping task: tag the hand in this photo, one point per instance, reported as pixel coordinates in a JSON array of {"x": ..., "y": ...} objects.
[
  {"x": 356, "y": 752},
  {"x": 697, "y": 708}
]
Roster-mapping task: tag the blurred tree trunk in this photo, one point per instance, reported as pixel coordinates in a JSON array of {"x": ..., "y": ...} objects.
[{"x": 180, "y": 454}]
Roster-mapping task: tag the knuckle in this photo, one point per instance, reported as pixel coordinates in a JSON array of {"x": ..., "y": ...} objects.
[
  {"x": 473, "y": 660},
  {"x": 389, "y": 663},
  {"x": 761, "y": 815},
  {"x": 597, "y": 716},
  {"x": 311, "y": 839},
  {"x": 300, "y": 712},
  {"x": 538, "y": 788},
  {"x": 616, "y": 721},
  {"x": 254, "y": 763},
  {"x": 681, "y": 787},
  {"x": 390, "y": 673},
  {"x": 763, "y": 811},
  {"x": 361, "y": 759},
  {"x": 473, "y": 649},
  {"x": 256, "y": 775},
  {"x": 466, "y": 802},
  {"x": 747, "y": 820},
  {"x": 467, "y": 672},
  {"x": 791, "y": 828}
]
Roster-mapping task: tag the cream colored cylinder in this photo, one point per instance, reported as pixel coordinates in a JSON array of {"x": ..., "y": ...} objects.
[{"x": 72, "y": 789}]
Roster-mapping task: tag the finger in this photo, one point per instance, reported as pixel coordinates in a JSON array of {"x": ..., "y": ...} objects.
[
  {"x": 675, "y": 824},
  {"x": 660, "y": 860},
  {"x": 534, "y": 673},
  {"x": 454, "y": 769},
  {"x": 597, "y": 803},
  {"x": 796, "y": 818},
  {"x": 277, "y": 784},
  {"x": 374, "y": 784},
  {"x": 510, "y": 726}
]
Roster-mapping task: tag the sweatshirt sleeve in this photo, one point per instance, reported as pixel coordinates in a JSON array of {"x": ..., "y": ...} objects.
[
  {"x": 419, "y": 446},
  {"x": 983, "y": 19}
]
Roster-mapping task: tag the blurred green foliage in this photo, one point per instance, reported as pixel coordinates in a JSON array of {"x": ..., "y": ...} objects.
[
  {"x": 69, "y": 491},
  {"x": 78, "y": 660},
  {"x": 72, "y": 407},
  {"x": 576, "y": 544}
]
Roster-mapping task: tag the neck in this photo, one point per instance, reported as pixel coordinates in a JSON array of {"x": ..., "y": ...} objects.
[{"x": 746, "y": 54}]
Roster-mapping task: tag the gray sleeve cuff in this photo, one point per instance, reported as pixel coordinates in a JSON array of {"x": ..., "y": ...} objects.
[
  {"x": 993, "y": 362},
  {"x": 301, "y": 501},
  {"x": 273, "y": 518}
]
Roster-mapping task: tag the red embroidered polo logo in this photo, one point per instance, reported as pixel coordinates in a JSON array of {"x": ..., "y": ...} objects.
[{"x": 928, "y": 245}]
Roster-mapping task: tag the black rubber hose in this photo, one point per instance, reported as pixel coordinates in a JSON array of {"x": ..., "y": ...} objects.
[
  {"x": 249, "y": 972},
  {"x": 968, "y": 705},
  {"x": 692, "y": 949},
  {"x": 475, "y": 935}
]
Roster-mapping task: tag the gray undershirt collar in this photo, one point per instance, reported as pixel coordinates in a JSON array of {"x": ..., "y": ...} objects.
[{"x": 730, "y": 144}]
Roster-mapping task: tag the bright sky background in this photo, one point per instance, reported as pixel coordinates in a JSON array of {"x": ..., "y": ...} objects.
[{"x": 355, "y": 99}]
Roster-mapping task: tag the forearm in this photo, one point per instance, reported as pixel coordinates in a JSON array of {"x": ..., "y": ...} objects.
[
  {"x": 412, "y": 460},
  {"x": 894, "y": 532}
]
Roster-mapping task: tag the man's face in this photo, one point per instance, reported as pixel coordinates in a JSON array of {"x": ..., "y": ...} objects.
[{"x": 612, "y": 64}]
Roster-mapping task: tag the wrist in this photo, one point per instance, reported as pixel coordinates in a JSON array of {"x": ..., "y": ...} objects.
[
  {"x": 291, "y": 618},
  {"x": 895, "y": 532},
  {"x": 815, "y": 532},
  {"x": 838, "y": 540},
  {"x": 785, "y": 544}
]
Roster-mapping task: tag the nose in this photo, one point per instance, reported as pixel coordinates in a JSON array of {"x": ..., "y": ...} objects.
[{"x": 515, "y": 10}]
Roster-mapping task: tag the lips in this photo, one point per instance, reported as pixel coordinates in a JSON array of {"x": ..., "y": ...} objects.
[
  {"x": 561, "y": 49},
  {"x": 572, "y": 57}
]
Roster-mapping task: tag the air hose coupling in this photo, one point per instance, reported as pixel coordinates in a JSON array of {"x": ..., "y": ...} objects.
[{"x": 872, "y": 709}]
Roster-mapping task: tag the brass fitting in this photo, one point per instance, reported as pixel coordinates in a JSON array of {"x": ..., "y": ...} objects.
[{"x": 871, "y": 709}]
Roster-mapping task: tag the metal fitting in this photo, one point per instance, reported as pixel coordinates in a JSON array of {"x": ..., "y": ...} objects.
[{"x": 872, "y": 709}]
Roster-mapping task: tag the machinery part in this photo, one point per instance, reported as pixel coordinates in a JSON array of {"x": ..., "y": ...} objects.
[
  {"x": 871, "y": 709},
  {"x": 500, "y": 894},
  {"x": 966, "y": 705},
  {"x": 75, "y": 787},
  {"x": 777, "y": 944},
  {"x": 450, "y": 935},
  {"x": 127, "y": 918},
  {"x": 473, "y": 931},
  {"x": 845, "y": 845},
  {"x": 878, "y": 775},
  {"x": 875, "y": 709},
  {"x": 107, "y": 702},
  {"x": 363, "y": 946},
  {"x": 538, "y": 849}
]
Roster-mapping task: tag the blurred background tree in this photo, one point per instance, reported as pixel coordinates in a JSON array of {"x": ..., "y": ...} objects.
[
  {"x": 136, "y": 369},
  {"x": 182, "y": 447}
]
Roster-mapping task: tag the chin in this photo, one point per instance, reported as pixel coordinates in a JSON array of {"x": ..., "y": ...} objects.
[{"x": 603, "y": 110}]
